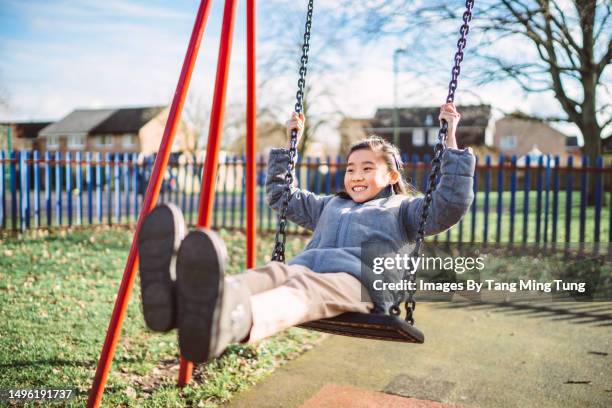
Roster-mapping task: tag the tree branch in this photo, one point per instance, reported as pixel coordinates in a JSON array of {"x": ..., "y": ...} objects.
[
  {"x": 607, "y": 123},
  {"x": 568, "y": 104},
  {"x": 604, "y": 20},
  {"x": 563, "y": 28},
  {"x": 605, "y": 60}
]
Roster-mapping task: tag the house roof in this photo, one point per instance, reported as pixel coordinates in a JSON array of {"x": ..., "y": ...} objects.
[
  {"x": 128, "y": 120},
  {"x": 98, "y": 121},
  {"x": 77, "y": 121},
  {"x": 27, "y": 130},
  {"x": 471, "y": 115}
]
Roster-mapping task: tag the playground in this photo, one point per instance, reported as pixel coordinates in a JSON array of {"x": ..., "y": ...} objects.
[
  {"x": 514, "y": 291},
  {"x": 58, "y": 289}
]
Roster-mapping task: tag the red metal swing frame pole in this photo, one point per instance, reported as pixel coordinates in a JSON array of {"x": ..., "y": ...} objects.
[
  {"x": 209, "y": 172},
  {"x": 150, "y": 199},
  {"x": 251, "y": 147}
]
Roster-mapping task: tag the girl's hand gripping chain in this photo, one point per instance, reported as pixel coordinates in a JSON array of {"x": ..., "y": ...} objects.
[
  {"x": 449, "y": 113},
  {"x": 296, "y": 122}
]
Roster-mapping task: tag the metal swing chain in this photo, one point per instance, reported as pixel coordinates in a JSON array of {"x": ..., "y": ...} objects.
[
  {"x": 409, "y": 303},
  {"x": 278, "y": 254}
]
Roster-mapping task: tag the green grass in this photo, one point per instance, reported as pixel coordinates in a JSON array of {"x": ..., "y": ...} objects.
[
  {"x": 267, "y": 219},
  {"x": 57, "y": 292},
  {"x": 574, "y": 218}
]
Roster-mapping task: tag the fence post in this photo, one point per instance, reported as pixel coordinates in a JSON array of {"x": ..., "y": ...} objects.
[
  {"x": 546, "y": 197},
  {"x": 500, "y": 197},
  {"x": 135, "y": 185},
  {"x": 108, "y": 188},
  {"x": 117, "y": 181},
  {"x": 217, "y": 195},
  {"x": 555, "y": 209},
  {"x": 58, "y": 189},
  {"x": 261, "y": 184},
  {"x": 79, "y": 181},
  {"x": 338, "y": 179},
  {"x": 223, "y": 205},
  {"x": 23, "y": 189},
  {"x": 175, "y": 177},
  {"x": 2, "y": 192},
  {"x": 526, "y": 188},
  {"x": 243, "y": 190},
  {"x": 568, "y": 198},
  {"x": 539, "y": 197},
  {"x": 126, "y": 185},
  {"x": 271, "y": 214},
  {"x": 598, "y": 197},
  {"x": 89, "y": 182},
  {"x": 48, "y": 205},
  {"x": 474, "y": 206},
  {"x": 194, "y": 174},
  {"x": 485, "y": 207},
  {"x": 99, "y": 187},
  {"x": 36, "y": 169},
  {"x": 583, "y": 196},
  {"x": 13, "y": 187},
  {"x": 610, "y": 216},
  {"x": 182, "y": 169},
  {"x": 512, "y": 197},
  {"x": 317, "y": 173},
  {"x": 68, "y": 167},
  {"x": 27, "y": 190},
  {"x": 234, "y": 189}
]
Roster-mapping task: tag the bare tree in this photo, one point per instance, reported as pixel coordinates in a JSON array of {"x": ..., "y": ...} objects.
[
  {"x": 279, "y": 63},
  {"x": 197, "y": 115},
  {"x": 555, "y": 46}
]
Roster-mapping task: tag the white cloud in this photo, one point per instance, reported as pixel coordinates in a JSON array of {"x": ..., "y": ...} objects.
[{"x": 120, "y": 52}]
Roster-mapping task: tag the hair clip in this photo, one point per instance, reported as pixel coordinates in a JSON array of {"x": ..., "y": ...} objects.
[{"x": 397, "y": 163}]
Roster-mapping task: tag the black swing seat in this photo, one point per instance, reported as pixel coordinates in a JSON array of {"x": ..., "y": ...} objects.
[{"x": 369, "y": 326}]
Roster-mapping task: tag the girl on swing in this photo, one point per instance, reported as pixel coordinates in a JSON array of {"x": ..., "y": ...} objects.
[{"x": 182, "y": 277}]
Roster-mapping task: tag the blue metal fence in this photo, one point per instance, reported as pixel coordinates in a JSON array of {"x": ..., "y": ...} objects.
[{"x": 537, "y": 202}]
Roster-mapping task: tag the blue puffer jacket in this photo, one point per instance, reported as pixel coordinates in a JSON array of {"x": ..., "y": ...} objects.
[{"x": 341, "y": 225}]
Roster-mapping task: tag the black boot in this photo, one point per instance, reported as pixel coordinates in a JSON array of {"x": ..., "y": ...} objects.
[
  {"x": 210, "y": 314},
  {"x": 159, "y": 238}
]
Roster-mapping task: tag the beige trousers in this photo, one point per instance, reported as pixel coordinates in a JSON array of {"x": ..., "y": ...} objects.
[{"x": 286, "y": 295}]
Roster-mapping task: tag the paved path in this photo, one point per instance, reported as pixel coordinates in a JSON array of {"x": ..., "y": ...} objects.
[{"x": 548, "y": 355}]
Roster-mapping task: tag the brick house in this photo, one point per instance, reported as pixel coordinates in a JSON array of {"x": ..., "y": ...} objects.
[
  {"x": 24, "y": 135},
  {"x": 418, "y": 127},
  {"x": 518, "y": 134},
  {"x": 136, "y": 130}
]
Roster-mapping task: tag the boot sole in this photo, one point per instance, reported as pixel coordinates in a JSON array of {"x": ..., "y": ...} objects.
[
  {"x": 158, "y": 240},
  {"x": 200, "y": 277}
]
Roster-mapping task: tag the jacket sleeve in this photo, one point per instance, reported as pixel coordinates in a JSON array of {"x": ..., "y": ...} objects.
[
  {"x": 304, "y": 208},
  {"x": 451, "y": 199}
]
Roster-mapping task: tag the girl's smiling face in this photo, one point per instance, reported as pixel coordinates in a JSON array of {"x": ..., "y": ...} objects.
[{"x": 367, "y": 175}]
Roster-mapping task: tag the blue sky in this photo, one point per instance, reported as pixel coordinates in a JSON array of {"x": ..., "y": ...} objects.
[{"x": 58, "y": 55}]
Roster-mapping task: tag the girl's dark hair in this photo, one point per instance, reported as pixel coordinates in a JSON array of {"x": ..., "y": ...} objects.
[{"x": 391, "y": 155}]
